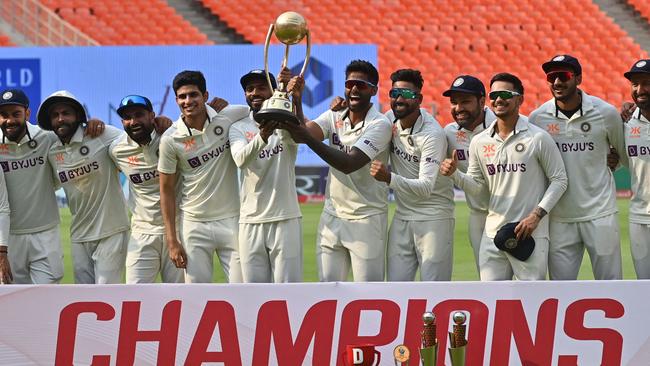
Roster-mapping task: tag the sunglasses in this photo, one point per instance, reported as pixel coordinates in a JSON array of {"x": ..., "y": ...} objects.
[
  {"x": 503, "y": 94},
  {"x": 564, "y": 76},
  {"x": 360, "y": 84},
  {"x": 403, "y": 92},
  {"x": 135, "y": 100}
]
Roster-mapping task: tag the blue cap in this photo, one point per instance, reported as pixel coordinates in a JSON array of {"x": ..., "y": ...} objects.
[
  {"x": 639, "y": 67},
  {"x": 134, "y": 100},
  {"x": 566, "y": 61},
  {"x": 466, "y": 84},
  {"x": 14, "y": 97},
  {"x": 257, "y": 74}
]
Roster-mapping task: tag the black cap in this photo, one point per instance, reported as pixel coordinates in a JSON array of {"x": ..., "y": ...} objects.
[
  {"x": 563, "y": 61},
  {"x": 14, "y": 97},
  {"x": 506, "y": 240},
  {"x": 256, "y": 75},
  {"x": 639, "y": 67},
  {"x": 466, "y": 84}
]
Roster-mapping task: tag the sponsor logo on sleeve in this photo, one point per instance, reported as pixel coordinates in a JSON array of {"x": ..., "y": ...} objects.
[
  {"x": 461, "y": 155},
  {"x": 372, "y": 146},
  {"x": 553, "y": 128}
]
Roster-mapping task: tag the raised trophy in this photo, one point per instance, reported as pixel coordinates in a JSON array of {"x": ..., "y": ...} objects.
[
  {"x": 429, "y": 342},
  {"x": 401, "y": 354},
  {"x": 289, "y": 28},
  {"x": 457, "y": 340}
]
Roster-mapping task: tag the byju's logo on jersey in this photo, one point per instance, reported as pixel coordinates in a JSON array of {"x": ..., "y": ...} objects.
[
  {"x": 5, "y": 166},
  {"x": 314, "y": 95},
  {"x": 635, "y": 150},
  {"x": 460, "y": 154},
  {"x": 505, "y": 168},
  {"x": 194, "y": 162},
  {"x": 23, "y": 74}
]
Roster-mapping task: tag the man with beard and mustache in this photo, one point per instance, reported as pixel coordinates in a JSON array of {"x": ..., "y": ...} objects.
[
  {"x": 136, "y": 155},
  {"x": 586, "y": 217},
  {"x": 521, "y": 168},
  {"x": 422, "y": 231},
  {"x": 270, "y": 227},
  {"x": 467, "y": 98},
  {"x": 195, "y": 149},
  {"x": 352, "y": 228},
  {"x": 83, "y": 167},
  {"x": 637, "y": 141}
]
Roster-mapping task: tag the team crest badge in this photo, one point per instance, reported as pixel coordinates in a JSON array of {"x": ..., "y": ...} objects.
[
  {"x": 520, "y": 147},
  {"x": 459, "y": 82},
  {"x": 32, "y": 144},
  {"x": 84, "y": 150},
  {"x": 640, "y": 64},
  {"x": 511, "y": 243},
  {"x": 7, "y": 95},
  {"x": 585, "y": 127},
  {"x": 559, "y": 58},
  {"x": 218, "y": 130}
]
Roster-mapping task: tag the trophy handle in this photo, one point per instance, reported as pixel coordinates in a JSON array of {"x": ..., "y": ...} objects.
[
  {"x": 266, "y": 54},
  {"x": 307, "y": 54}
]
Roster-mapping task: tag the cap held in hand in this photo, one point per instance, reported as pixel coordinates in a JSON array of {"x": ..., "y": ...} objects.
[{"x": 506, "y": 240}]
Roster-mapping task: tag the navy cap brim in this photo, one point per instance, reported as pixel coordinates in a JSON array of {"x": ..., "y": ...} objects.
[
  {"x": 629, "y": 74},
  {"x": 447, "y": 93},
  {"x": 254, "y": 76},
  {"x": 550, "y": 65}
]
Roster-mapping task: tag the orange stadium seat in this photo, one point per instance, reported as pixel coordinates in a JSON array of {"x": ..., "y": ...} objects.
[
  {"x": 5, "y": 41},
  {"x": 462, "y": 36}
]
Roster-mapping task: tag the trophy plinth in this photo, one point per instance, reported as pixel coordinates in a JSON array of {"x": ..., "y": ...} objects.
[{"x": 289, "y": 28}]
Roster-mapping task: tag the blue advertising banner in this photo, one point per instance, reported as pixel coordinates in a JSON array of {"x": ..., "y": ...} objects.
[{"x": 101, "y": 76}]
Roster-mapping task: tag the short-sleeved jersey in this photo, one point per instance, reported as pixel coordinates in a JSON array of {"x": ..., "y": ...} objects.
[
  {"x": 30, "y": 183},
  {"x": 458, "y": 138},
  {"x": 521, "y": 172},
  {"x": 421, "y": 193},
  {"x": 637, "y": 141},
  {"x": 584, "y": 141},
  {"x": 268, "y": 187},
  {"x": 91, "y": 183},
  {"x": 356, "y": 195},
  {"x": 203, "y": 161},
  {"x": 139, "y": 163}
]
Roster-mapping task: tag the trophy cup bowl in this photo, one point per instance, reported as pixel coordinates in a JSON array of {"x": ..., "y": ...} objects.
[{"x": 289, "y": 28}]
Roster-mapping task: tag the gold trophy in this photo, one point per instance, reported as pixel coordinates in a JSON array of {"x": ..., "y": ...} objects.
[
  {"x": 429, "y": 342},
  {"x": 457, "y": 340},
  {"x": 401, "y": 354},
  {"x": 289, "y": 28}
]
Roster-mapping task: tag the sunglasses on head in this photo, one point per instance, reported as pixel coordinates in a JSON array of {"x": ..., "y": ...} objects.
[
  {"x": 360, "y": 84},
  {"x": 134, "y": 99},
  {"x": 564, "y": 76},
  {"x": 403, "y": 92},
  {"x": 503, "y": 94}
]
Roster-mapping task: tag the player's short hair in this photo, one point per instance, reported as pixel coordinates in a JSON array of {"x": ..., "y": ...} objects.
[
  {"x": 188, "y": 77},
  {"x": 409, "y": 75},
  {"x": 509, "y": 78},
  {"x": 363, "y": 67}
]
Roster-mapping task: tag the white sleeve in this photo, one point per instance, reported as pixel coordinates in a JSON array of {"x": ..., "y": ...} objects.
[
  {"x": 242, "y": 150},
  {"x": 235, "y": 112},
  {"x": 375, "y": 138},
  {"x": 324, "y": 121},
  {"x": 473, "y": 182},
  {"x": 111, "y": 134},
  {"x": 550, "y": 159},
  {"x": 433, "y": 152},
  {"x": 4, "y": 212},
  {"x": 615, "y": 129},
  {"x": 167, "y": 159}
]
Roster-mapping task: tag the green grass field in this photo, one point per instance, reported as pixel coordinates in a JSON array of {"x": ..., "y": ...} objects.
[{"x": 464, "y": 269}]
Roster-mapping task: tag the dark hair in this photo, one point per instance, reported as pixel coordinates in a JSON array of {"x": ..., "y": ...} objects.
[
  {"x": 363, "y": 67},
  {"x": 189, "y": 78},
  {"x": 409, "y": 75},
  {"x": 509, "y": 78}
]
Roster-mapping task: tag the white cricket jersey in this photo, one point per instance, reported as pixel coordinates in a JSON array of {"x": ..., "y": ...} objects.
[
  {"x": 521, "y": 172},
  {"x": 204, "y": 163},
  {"x": 356, "y": 195},
  {"x": 4, "y": 213},
  {"x": 140, "y": 166},
  {"x": 91, "y": 183},
  {"x": 584, "y": 142},
  {"x": 421, "y": 193},
  {"x": 30, "y": 181},
  {"x": 268, "y": 187},
  {"x": 637, "y": 141},
  {"x": 458, "y": 138}
]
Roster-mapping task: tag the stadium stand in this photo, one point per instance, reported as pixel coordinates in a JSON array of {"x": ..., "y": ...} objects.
[
  {"x": 642, "y": 6},
  {"x": 5, "y": 41},
  {"x": 463, "y": 36},
  {"x": 126, "y": 22}
]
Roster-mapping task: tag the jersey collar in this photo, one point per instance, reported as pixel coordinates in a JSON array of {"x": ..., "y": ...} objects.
[
  {"x": 585, "y": 106},
  {"x": 522, "y": 125},
  {"x": 30, "y": 134}
]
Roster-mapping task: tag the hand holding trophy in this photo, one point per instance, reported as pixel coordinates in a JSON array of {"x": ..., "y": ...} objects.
[{"x": 289, "y": 28}]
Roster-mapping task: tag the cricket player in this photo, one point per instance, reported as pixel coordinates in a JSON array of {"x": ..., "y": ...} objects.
[
  {"x": 467, "y": 98},
  {"x": 422, "y": 231},
  {"x": 6, "y": 276},
  {"x": 270, "y": 225},
  {"x": 196, "y": 149},
  {"x": 520, "y": 166},
  {"x": 100, "y": 225},
  {"x": 136, "y": 155},
  {"x": 637, "y": 141},
  {"x": 352, "y": 228},
  {"x": 583, "y": 127}
]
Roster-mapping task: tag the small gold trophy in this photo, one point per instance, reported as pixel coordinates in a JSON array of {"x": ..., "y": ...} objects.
[
  {"x": 457, "y": 340},
  {"x": 402, "y": 354},
  {"x": 289, "y": 28},
  {"x": 429, "y": 346}
]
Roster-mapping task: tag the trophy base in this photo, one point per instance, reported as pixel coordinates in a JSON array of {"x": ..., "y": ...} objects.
[{"x": 273, "y": 114}]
